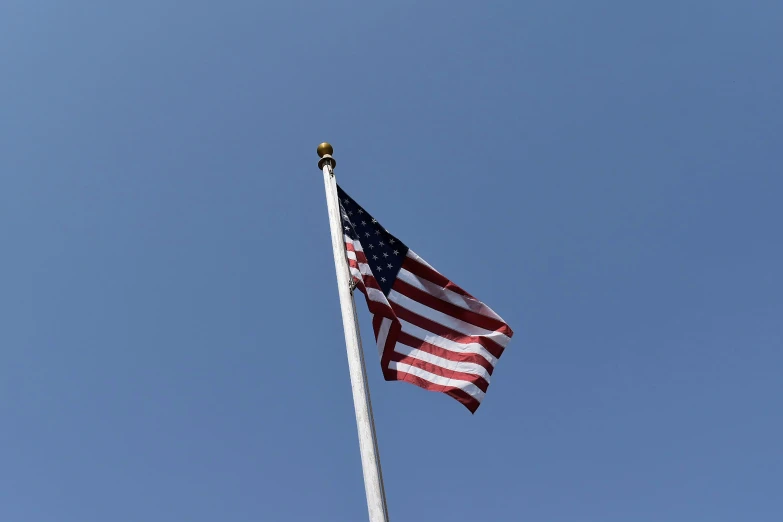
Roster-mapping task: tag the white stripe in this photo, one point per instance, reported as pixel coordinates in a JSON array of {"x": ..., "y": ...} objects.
[
  {"x": 456, "y": 366},
  {"x": 373, "y": 294},
  {"x": 356, "y": 244},
  {"x": 445, "y": 319},
  {"x": 469, "y": 388},
  {"x": 350, "y": 254},
  {"x": 383, "y": 332},
  {"x": 365, "y": 268},
  {"x": 444, "y": 294},
  {"x": 446, "y": 344}
]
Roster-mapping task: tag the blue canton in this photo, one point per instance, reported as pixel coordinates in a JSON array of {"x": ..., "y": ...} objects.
[{"x": 385, "y": 253}]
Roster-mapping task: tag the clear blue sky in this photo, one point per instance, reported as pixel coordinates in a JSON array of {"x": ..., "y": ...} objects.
[{"x": 605, "y": 175}]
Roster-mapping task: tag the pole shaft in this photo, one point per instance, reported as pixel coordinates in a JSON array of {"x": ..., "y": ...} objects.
[{"x": 368, "y": 445}]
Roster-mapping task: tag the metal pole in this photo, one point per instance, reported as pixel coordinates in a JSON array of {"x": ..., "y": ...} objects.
[{"x": 368, "y": 444}]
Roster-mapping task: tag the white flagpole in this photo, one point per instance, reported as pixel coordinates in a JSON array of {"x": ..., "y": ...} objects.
[{"x": 365, "y": 424}]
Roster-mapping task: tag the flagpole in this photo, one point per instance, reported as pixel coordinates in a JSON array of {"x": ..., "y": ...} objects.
[{"x": 365, "y": 424}]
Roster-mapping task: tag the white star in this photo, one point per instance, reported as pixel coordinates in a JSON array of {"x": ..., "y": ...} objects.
[
  {"x": 370, "y": 245},
  {"x": 375, "y": 257},
  {"x": 367, "y": 234},
  {"x": 347, "y": 200},
  {"x": 377, "y": 232},
  {"x": 385, "y": 254},
  {"x": 347, "y": 228},
  {"x": 379, "y": 268},
  {"x": 364, "y": 223},
  {"x": 391, "y": 241},
  {"x": 389, "y": 265},
  {"x": 381, "y": 243},
  {"x": 350, "y": 212},
  {"x": 383, "y": 280},
  {"x": 373, "y": 220},
  {"x": 396, "y": 252},
  {"x": 361, "y": 211}
]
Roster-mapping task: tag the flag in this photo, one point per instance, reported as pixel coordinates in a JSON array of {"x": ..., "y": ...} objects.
[{"x": 429, "y": 331}]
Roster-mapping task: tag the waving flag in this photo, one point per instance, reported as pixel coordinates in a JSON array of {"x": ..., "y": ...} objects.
[{"x": 429, "y": 331}]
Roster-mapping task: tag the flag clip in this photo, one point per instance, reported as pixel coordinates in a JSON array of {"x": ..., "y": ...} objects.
[{"x": 351, "y": 284}]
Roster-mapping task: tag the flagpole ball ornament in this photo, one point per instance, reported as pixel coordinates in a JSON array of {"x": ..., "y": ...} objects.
[
  {"x": 325, "y": 151},
  {"x": 325, "y": 148}
]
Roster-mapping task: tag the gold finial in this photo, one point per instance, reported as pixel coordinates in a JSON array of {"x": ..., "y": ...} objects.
[{"x": 324, "y": 148}]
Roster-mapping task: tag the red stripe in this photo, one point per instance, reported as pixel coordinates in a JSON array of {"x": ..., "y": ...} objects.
[
  {"x": 391, "y": 342},
  {"x": 452, "y": 310},
  {"x": 469, "y": 402},
  {"x": 375, "y": 307},
  {"x": 472, "y": 378},
  {"x": 457, "y": 393},
  {"x": 409, "y": 340},
  {"x": 425, "y": 272},
  {"x": 443, "y": 331}
]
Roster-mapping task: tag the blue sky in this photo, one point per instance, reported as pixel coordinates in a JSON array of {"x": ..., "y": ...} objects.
[{"x": 605, "y": 175}]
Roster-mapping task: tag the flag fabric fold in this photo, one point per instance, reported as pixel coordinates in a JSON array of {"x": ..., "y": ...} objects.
[{"x": 429, "y": 331}]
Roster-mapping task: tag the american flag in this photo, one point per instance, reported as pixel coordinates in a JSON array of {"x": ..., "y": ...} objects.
[{"x": 429, "y": 331}]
